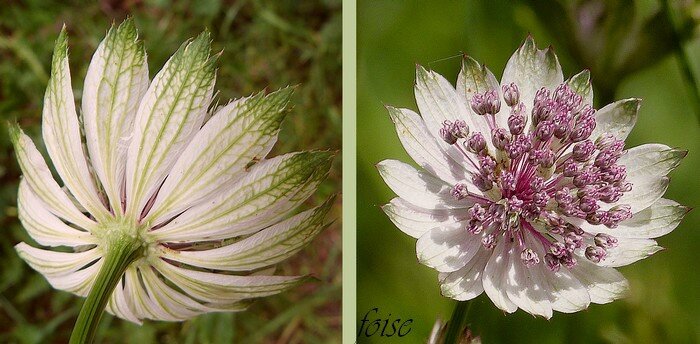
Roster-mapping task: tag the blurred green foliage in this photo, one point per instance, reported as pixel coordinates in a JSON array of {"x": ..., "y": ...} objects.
[
  {"x": 664, "y": 303},
  {"x": 266, "y": 44}
]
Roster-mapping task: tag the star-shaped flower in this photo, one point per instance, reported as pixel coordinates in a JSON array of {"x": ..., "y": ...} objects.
[
  {"x": 178, "y": 196},
  {"x": 525, "y": 191}
]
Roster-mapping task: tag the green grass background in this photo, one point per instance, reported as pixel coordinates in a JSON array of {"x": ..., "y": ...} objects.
[
  {"x": 664, "y": 304},
  {"x": 266, "y": 44}
]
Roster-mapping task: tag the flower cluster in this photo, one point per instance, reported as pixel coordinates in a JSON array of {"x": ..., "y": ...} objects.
[
  {"x": 182, "y": 192},
  {"x": 527, "y": 191}
]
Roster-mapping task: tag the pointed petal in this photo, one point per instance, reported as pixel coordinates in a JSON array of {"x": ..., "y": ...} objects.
[
  {"x": 581, "y": 84},
  {"x": 645, "y": 194},
  {"x": 651, "y": 161},
  {"x": 416, "y": 221},
  {"x": 526, "y": 288},
  {"x": 447, "y": 249},
  {"x": 531, "y": 69},
  {"x": 418, "y": 187},
  {"x": 604, "y": 284},
  {"x": 239, "y": 133},
  {"x": 170, "y": 114},
  {"x": 438, "y": 101},
  {"x": 475, "y": 78},
  {"x": 52, "y": 263},
  {"x": 116, "y": 80},
  {"x": 218, "y": 288},
  {"x": 657, "y": 220},
  {"x": 78, "y": 283},
  {"x": 44, "y": 227},
  {"x": 140, "y": 300},
  {"x": 61, "y": 133},
  {"x": 496, "y": 274},
  {"x": 176, "y": 305},
  {"x": 647, "y": 166},
  {"x": 262, "y": 197},
  {"x": 465, "y": 283},
  {"x": 566, "y": 293},
  {"x": 421, "y": 146},
  {"x": 37, "y": 175},
  {"x": 180, "y": 305},
  {"x": 616, "y": 119},
  {"x": 628, "y": 251},
  {"x": 267, "y": 247},
  {"x": 119, "y": 306},
  {"x": 64, "y": 271}
]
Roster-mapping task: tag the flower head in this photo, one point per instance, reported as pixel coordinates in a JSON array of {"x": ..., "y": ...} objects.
[
  {"x": 203, "y": 214},
  {"x": 540, "y": 201}
]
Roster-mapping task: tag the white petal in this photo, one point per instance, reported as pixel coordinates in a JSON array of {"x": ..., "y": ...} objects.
[
  {"x": 659, "y": 219},
  {"x": 496, "y": 274},
  {"x": 52, "y": 263},
  {"x": 241, "y": 132},
  {"x": 644, "y": 194},
  {"x": 172, "y": 303},
  {"x": 531, "y": 69},
  {"x": 78, "y": 283},
  {"x": 119, "y": 305},
  {"x": 647, "y": 166},
  {"x": 182, "y": 306},
  {"x": 169, "y": 115},
  {"x": 566, "y": 293},
  {"x": 38, "y": 176},
  {"x": 64, "y": 271},
  {"x": 44, "y": 227},
  {"x": 475, "y": 78},
  {"x": 628, "y": 251},
  {"x": 438, "y": 101},
  {"x": 525, "y": 287},
  {"x": 616, "y": 119},
  {"x": 604, "y": 284},
  {"x": 265, "y": 195},
  {"x": 421, "y": 146},
  {"x": 140, "y": 300},
  {"x": 415, "y": 221},
  {"x": 650, "y": 161},
  {"x": 218, "y": 288},
  {"x": 61, "y": 133},
  {"x": 447, "y": 249},
  {"x": 466, "y": 283},
  {"x": 116, "y": 80},
  {"x": 267, "y": 247},
  {"x": 419, "y": 188}
]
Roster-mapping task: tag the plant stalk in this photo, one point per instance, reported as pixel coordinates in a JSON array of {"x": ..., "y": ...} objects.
[
  {"x": 121, "y": 253},
  {"x": 459, "y": 317}
]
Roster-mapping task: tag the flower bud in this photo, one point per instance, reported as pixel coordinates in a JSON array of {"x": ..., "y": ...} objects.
[
  {"x": 476, "y": 143},
  {"x": 595, "y": 253},
  {"x": 511, "y": 95},
  {"x": 500, "y": 137},
  {"x": 459, "y": 191}
]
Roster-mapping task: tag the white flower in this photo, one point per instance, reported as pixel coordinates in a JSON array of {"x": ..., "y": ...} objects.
[
  {"x": 524, "y": 190},
  {"x": 205, "y": 214}
]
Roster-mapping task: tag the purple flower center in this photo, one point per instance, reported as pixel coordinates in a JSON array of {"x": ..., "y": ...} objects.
[{"x": 540, "y": 174}]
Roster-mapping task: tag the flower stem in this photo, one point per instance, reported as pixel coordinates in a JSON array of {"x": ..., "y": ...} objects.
[
  {"x": 459, "y": 316},
  {"x": 120, "y": 254}
]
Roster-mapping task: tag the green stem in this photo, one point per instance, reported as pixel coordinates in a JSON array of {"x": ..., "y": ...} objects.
[
  {"x": 459, "y": 317},
  {"x": 120, "y": 254}
]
